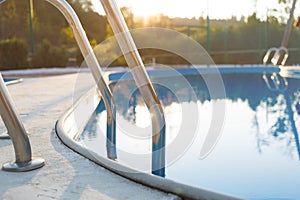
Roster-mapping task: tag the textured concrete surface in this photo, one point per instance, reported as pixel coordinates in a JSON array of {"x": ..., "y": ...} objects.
[{"x": 66, "y": 175}]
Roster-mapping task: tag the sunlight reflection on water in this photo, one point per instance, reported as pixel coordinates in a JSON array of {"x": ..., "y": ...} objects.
[{"x": 257, "y": 156}]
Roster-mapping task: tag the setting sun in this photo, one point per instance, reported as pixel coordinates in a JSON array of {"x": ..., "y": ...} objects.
[{"x": 216, "y": 9}]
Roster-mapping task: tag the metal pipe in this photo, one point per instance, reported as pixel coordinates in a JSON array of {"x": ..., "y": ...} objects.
[
  {"x": 91, "y": 60},
  {"x": 280, "y": 56},
  {"x": 30, "y": 15},
  {"x": 266, "y": 58},
  {"x": 288, "y": 29},
  {"x": 17, "y": 132},
  {"x": 14, "y": 125},
  {"x": 143, "y": 82}
]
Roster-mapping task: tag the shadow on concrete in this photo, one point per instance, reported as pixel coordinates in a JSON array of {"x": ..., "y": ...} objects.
[{"x": 99, "y": 181}]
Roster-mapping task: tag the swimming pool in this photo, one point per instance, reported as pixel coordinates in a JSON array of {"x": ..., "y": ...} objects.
[{"x": 256, "y": 155}]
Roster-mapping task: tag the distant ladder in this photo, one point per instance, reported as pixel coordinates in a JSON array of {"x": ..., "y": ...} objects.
[{"x": 274, "y": 81}]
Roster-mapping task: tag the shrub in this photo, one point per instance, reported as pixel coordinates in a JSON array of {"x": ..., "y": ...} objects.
[
  {"x": 79, "y": 57},
  {"x": 13, "y": 53},
  {"x": 46, "y": 55}
]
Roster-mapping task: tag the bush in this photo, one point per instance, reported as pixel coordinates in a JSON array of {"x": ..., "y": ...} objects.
[
  {"x": 13, "y": 54},
  {"x": 79, "y": 57},
  {"x": 47, "y": 55}
]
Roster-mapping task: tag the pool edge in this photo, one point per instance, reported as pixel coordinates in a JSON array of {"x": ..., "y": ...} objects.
[{"x": 149, "y": 180}]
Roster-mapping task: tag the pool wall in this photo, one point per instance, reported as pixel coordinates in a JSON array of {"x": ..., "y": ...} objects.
[
  {"x": 68, "y": 127},
  {"x": 115, "y": 76}
]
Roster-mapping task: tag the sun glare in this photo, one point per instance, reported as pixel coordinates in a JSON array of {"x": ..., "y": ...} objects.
[{"x": 216, "y": 9}]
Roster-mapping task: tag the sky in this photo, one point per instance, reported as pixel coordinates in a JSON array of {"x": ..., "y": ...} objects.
[{"x": 216, "y": 9}]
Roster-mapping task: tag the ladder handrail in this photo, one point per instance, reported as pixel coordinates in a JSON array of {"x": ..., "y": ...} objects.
[
  {"x": 280, "y": 54},
  {"x": 18, "y": 134},
  {"x": 277, "y": 56},
  {"x": 91, "y": 60},
  {"x": 143, "y": 82},
  {"x": 139, "y": 73},
  {"x": 288, "y": 29},
  {"x": 16, "y": 130}
]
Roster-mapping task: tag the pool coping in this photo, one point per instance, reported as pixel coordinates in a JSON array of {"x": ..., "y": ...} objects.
[{"x": 166, "y": 185}]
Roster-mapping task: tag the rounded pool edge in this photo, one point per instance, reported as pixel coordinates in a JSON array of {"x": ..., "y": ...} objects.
[
  {"x": 66, "y": 134},
  {"x": 165, "y": 185}
]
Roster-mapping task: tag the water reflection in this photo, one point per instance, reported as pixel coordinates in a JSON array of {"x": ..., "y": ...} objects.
[
  {"x": 248, "y": 88},
  {"x": 258, "y": 147},
  {"x": 243, "y": 87},
  {"x": 292, "y": 121}
]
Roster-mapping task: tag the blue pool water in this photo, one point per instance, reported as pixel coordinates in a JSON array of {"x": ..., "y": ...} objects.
[
  {"x": 9, "y": 81},
  {"x": 256, "y": 157}
]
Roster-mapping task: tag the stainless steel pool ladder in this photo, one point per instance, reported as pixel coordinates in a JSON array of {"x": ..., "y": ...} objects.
[
  {"x": 280, "y": 55},
  {"x": 10, "y": 117},
  {"x": 91, "y": 61},
  {"x": 16, "y": 130},
  {"x": 142, "y": 80},
  {"x": 137, "y": 68}
]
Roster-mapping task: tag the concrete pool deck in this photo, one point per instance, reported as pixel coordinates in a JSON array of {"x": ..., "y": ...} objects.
[{"x": 66, "y": 175}]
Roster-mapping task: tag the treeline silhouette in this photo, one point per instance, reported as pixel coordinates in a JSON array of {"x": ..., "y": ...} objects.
[{"x": 232, "y": 41}]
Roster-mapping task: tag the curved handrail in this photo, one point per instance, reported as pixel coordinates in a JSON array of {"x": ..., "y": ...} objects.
[
  {"x": 267, "y": 55},
  {"x": 18, "y": 134},
  {"x": 277, "y": 56},
  {"x": 137, "y": 68},
  {"x": 16, "y": 130},
  {"x": 280, "y": 54},
  {"x": 143, "y": 82},
  {"x": 91, "y": 60}
]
